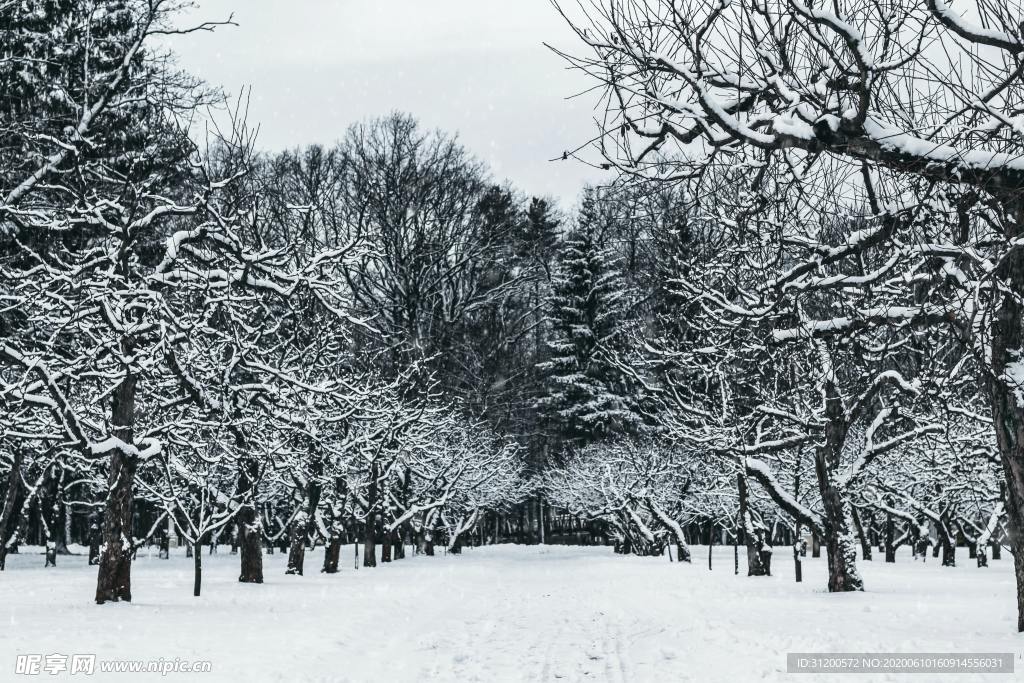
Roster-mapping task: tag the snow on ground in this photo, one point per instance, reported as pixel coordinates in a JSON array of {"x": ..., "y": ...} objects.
[{"x": 504, "y": 613}]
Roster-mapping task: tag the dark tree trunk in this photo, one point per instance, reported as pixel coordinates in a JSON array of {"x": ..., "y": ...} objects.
[
  {"x": 465, "y": 526},
  {"x": 865, "y": 545},
  {"x": 890, "y": 538},
  {"x": 1007, "y": 414},
  {"x": 51, "y": 515},
  {"x": 798, "y": 567},
  {"x": 839, "y": 548},
  {"x": 370, "y": 542},
  {"x": 114, "y": 580},
  {"x": 332, "y": 555},
  {"x": 683, "y": 553},
  {"x": 332, "y": 551},
  {"x": 429, "y": 527},
  {"x": 304, "y": 524},
  {"x": 8, "y": 521},
  {"x": 197, "y": 566},
  {"x": 249, "y": 521},
  {"x": 753, "y": 540},
  {"x": 385, "y": 547},
  {"x": 250, "y": 532},
  {"x": 947, "y": 543},
  {"x": 421, "y": 542},
  {"x": 63, "y": 531},
  {"x": 297, "y": 551},
  {"x": 95, "y": 537},
  {"x": 839, "y": 545},
  {"x": 398, "y": 542}
]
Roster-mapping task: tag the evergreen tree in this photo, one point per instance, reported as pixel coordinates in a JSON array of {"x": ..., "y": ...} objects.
[
  {"x": 586, "y": 396},
  {"x": 539, "y": 237}
]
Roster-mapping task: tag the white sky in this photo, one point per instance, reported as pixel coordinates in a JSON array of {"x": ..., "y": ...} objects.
[{"x": 475, "y": 67}]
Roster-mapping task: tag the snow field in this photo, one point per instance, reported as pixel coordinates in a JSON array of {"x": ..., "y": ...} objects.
[{"x": 504, "y": 613}]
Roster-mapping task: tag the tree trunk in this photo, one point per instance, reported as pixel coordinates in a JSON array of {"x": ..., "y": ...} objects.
[
  {"x": 297, "y": 550},
  {"x": 56, "y": 516},
  {"x": 463, "y": 527},
  {"x": 890, "y": 538},
  {"x": 114, "y": 580},
  {"x": 250, "y": 531},
  {"x": 304, "y": 524},
  {"x": 682, "y": 548},
  {"x": 385, "y": 547},
  {"x": 250, "y": 522},
  {"x": 456, "y": 546},
  {"x": 421, "y": 542},
  {"x": 840, "y": 547},
  {"x": 197, "y": 564},
  {"x": 8, "y": 523},
  {"x": 398, "y": 543},
  {"x": 865, "y": 546},
  {"x": 1009, "y": 420},
  {"x": 370, "y": 542},
  {"x": 753, "y": 540},
  {"x": 1007, "y": 340},
  {"x": 948, "y": 543},
  {"x": 165, "y": 547},
  {"x": 332, "y": 555},
  {"x": 64, "y": 529},
  {"x": 51, "y": 555},
  {"x": 95, "y": 537},
  {"x": 798, "y": 565}
]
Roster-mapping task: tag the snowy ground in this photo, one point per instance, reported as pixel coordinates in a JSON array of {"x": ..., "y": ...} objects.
[{"x": 505, "y": 613}]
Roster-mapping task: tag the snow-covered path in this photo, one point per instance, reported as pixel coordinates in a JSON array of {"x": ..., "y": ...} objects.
[{"x": 503, "y": 613}]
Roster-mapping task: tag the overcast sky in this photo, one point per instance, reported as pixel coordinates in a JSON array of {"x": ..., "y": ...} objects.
[{"x": 475, "y": 67}]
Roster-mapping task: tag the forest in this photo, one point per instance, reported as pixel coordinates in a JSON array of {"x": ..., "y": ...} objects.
[{"x": 794, "y": 320}]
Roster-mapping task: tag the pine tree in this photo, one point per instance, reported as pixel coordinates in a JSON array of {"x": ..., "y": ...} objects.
[
  {"x": 586, "y": 396},
  {"x": 539, "y": 233}
]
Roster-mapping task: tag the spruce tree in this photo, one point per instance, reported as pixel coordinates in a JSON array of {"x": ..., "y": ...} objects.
[{"x": 586, "y": 397}]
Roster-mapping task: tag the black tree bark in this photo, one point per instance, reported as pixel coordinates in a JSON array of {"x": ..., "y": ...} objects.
[{"x": 114, "y": 580}]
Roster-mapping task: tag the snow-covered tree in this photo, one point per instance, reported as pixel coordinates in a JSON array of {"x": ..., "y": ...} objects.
[
  {"x": 586, "y": 397},
  {"x": 905, "y": 107}
]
